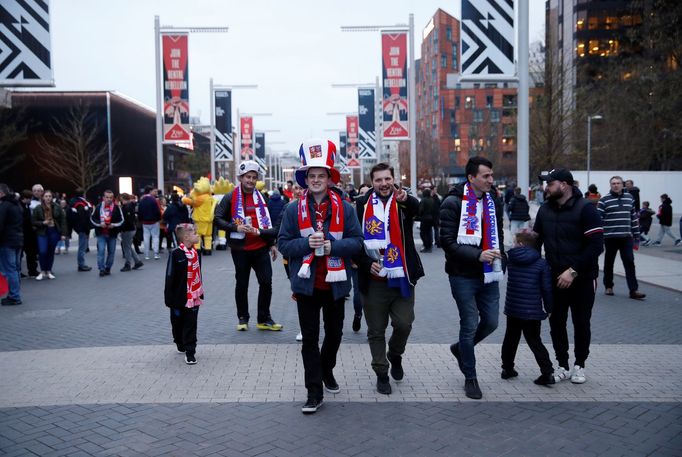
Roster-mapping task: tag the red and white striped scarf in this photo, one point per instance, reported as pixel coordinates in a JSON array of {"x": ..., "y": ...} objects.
[
  {"x": 336, "y": 269},
  {"x": 195, "y": 288},
  {"x": 105, "y": 214}
]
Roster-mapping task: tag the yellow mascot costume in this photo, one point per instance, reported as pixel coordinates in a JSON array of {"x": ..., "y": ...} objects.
[
  {"x": 202, "y": 204},
  {"x": 221, "y": 188}
]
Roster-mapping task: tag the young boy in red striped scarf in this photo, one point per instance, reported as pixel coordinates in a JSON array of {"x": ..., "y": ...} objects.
[
  {"x": 319, "y": 234},
  {"x": 183, "y": 291}
]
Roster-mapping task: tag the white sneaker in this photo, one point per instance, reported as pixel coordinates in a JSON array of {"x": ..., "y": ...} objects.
[
  {"x": 578, "y": 376},
  {"x": 40, "y": 276},
  {"x": 50, "y": 275},
  {"x": 299, "y": 337},
  {"x": 146, "y": 257},
  {"x": 157, "y": 256},
  {"x": 561, "y": 374}
]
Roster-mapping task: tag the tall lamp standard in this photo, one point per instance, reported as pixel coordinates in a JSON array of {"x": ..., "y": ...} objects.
[{"x": 594, "y": 117}]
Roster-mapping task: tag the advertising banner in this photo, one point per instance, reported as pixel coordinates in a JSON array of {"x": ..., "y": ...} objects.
[
  {"x": 223, "y": 125},
  {"x": 394, "y": 103},
  {"x": 260, "y": 149},
  {"x": 246, "y": 138},
  {"x": 341, "y": 163},
  {"x": 487, "y": 35},
  {"x": 25, "y": 58},
  {"x": 366, "y": 113},
  {"x": 352, "y": 147},
  {"x": 175, "y": 88}
]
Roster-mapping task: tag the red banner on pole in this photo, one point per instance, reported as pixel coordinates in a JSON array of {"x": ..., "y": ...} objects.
[
  {"x": 246, "y": 129},
  {"x": 352, "y": 148},
  {"x": 175, "y": 89},
  {"x": 395, "y": 104}
]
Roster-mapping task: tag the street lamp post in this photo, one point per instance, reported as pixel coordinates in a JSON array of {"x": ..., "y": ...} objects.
[
  {"x": 594, "y": 117},
  {"x": 158, "y": 29}
]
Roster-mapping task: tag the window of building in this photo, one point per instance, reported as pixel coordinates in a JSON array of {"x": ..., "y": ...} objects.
[
  {"x": 488, "y": 101},
  {"x": 458, "y": 146},
  {"x": 448, "y": 33},
  {"x": 469, "y": 102},
  {"x": 509, "y": 101},
  {"x": 454, "y": 131},
  {"x": 171, "y": 162},
  {"x": 457, "y": 101},
  {"x": 478, "y": 115},
  {"x": 494, "y": 115},
  {"x": 444, "y": 61},
  {"x": 477, "y": 85},
  {"x": 509, "y": 130},
  {"x": 454, "y": 56},
  {"x": 473, "y": 131}
]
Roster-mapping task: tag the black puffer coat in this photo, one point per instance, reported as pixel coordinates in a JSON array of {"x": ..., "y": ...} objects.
[{"x": 529, "y": 285}]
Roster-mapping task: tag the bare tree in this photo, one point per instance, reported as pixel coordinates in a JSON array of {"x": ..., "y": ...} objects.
[
  {"x": 75, "y": 151},
  {"x": 13, "y": 128}
]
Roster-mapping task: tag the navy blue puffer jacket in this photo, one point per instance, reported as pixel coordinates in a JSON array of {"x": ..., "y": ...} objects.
[{"x": 529, "y": 285}]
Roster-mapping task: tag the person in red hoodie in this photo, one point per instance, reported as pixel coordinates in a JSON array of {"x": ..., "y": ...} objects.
[{"x": 243, "y": 213}]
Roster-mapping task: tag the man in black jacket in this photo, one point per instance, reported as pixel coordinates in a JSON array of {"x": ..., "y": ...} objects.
[
  {"x": 387, "y": 286},
  {"x": 11, "y": 241},
  {"x": 107, "y": 219},
  {"x": 79, "y": 219},
  {"x": 572, "y": 232},
  {"x": 471, "y": 234}
]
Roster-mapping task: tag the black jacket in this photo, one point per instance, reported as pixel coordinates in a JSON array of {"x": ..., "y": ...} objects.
[
  {"x": 462, "y": 259},
  {"x": 223, "y": 220},
  {"x": 519, "y": 209},
  {"x": 79, "y": 215},
  {"x": 573, "y": 235},
  {"x": 407, "y": 211},
  {"x": 175, "y": 287},
  {"x": 116, "y": 221},
  {"x": 529, "y": 285},
  {"x": 129, "y": 217},
  {"x": 428, "y": 209},
  {"x": 11, "y": 222},
  {"x": 176, "y": 213},
  {"x": 665, "y": 213},
  {"x": 148, "y": 210}
]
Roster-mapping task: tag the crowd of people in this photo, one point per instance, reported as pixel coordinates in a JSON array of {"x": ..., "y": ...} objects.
[{"x": 335, "y": 242}]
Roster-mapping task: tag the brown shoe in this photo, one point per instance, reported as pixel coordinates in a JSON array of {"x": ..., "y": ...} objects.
[
  {"x": 609, "y": 291},
  {"x": 637, "y": 295}
]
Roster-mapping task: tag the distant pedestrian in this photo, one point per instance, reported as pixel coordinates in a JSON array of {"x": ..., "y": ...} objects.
[
  {"x": 473, "y": 242},
  {"x": 132, "y": 261},
  {"x": 571, "y": 230},
  {"x": 319, "y": 235},
  {"x": 519, "y": 211},
  {"x": 79, "y": 217},
  {"x": 621, "y": 235},
  {"x": 149, "y": 214},
  {"x": 30, "y": 249},
  {"x": 508, "y": 195},
  {"x": 11, "y": 242},
  {"x": 184, "y": 291},
  {"x": 107, "y": 218},
  {"x": 50, "y": 223},
  {"x": 176, "y": 213},
  {"x": 529, "y": 301},
  {"x": 63, "y": 245},
  {"x": 634, "y": 191},
  {"x": 275, "y": 205},
  {"x": 665, "y": 218},
  {"x": 645, "y": 219},
  {"x": 427, "y": 215},
  {"x": 593, "y": 194}
]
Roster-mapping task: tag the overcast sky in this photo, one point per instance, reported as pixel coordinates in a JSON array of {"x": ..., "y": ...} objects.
[{"x": 293, "y": 50}]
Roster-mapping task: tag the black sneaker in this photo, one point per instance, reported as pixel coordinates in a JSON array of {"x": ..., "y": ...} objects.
[
  {"x": 107, "y": 272},
  {"x": 311, "y": 406},
  {"x": 102, "y": 273},
  {"x": 10, "y": 301},
  {"x": 454, "y": 348},
  {"x": 383, "y": 384},
  {"x": 84, "y": 268},
  {"x": 511, "y": 373},
  {"x": 190, "y": 359},
  {"x": 137, "y": 265},
  {"x": 126, "y": 267},
  {"x": 545, "y": 380},
  {"x": 357, "y": 323},
  {"x": 397, "y": 372},
  {"x": 330, "y": 384},
  {"x": 472, "y": 390}
]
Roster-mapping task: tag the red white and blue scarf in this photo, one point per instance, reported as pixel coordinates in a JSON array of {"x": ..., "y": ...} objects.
[
  {"x": 238, "y": 216},
  {"x": 195, "y": 288},
  {"x": 336, "y": 268},
  {"x": 478, "y": 227}
]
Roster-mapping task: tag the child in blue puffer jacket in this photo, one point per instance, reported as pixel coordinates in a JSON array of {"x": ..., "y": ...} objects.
[{"x": 529, "y": 287}]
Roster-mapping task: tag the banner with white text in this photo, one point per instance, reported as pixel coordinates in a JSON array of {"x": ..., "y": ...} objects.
[
  {"x": 175, "y": 88},
  {"x": 394, "y": 103},
  {"x": 223, "y": 125},
  {"x": 246, "y": 138},
  {"x": 341, "y": 163},
  {"x": 352, "y": 147}
]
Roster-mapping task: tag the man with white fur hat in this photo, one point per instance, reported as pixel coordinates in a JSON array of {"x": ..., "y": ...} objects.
[
  {"x": 319, "y": 234},
  {"x": 243, "y": 213}
]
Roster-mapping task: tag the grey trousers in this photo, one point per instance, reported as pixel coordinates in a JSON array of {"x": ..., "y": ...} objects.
[
  {"x": 379, "y": 303},
  {"x": 127, "y": 246}
]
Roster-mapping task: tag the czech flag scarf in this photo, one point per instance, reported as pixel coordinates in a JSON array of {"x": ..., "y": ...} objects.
[
  {"x": 238, "y": 217},
  {"x": 336, "y": 269},
  {"x": 478, "y": 227},
  {"x": 381, "y": 229},
  {"x": 195, "y": 288}
]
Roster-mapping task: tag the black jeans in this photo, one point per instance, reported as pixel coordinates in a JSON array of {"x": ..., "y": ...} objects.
[
  {"x": 625, "y": 247},
  {"x": 259, "y": 261},
  {"x": 579, "y": 298},
  {"x": 31, "y": 252},
  {"x": 426, "y": 233},
  {"x": 531, "y": 332},
  {"x": 317, "y": 362},
  {"x": 184, "y": 327}
]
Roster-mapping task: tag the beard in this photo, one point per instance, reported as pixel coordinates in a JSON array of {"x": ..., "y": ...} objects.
[{"x": 556, "y": 195}]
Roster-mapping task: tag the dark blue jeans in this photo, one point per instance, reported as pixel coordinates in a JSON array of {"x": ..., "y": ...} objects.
[
  {"x": 107, "y": 243},
  {"x": 10, "y": 267},
  {"x": 479, "y": 307},
  {"x": 46, "y": 246},
  {"x": 82, "y": 247}
]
